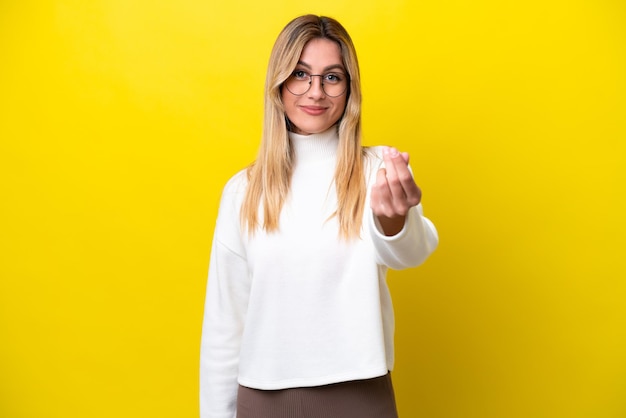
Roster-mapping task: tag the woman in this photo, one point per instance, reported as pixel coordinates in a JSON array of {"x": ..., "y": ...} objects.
[{"x": 298, "y": 318}]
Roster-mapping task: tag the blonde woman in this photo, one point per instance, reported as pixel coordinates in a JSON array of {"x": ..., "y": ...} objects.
[{"x": 298, "y": 318}]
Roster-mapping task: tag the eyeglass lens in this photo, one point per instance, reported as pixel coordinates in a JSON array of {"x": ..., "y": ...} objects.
[{"x": 333, "y": 84}]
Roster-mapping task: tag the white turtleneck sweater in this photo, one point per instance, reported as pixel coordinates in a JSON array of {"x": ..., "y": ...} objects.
[{"x": 301, "y": 307}]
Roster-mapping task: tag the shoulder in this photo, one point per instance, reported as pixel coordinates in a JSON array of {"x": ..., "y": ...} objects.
[
  {"x": 374, "y": 153},
  {"x": 373, "y": 158},
  {"x": 233, "y": 192},
  {"x": 237, "y": 183}
]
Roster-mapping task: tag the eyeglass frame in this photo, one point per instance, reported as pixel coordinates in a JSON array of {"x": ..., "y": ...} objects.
[{"x": 321, "y": 81}]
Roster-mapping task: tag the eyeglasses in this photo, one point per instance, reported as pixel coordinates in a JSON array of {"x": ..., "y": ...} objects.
[{"x": 333, "y": 84}]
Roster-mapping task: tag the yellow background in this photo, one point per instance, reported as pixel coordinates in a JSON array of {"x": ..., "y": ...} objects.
[{"x": 121, "y": 120}]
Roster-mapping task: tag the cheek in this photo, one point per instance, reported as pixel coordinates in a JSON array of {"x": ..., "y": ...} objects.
[
  {"x": 288, "y": 103},
  {"x": 341, "y": 108}
]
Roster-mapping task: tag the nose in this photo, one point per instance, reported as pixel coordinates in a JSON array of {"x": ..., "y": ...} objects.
[{"x": 317, "y": 87}]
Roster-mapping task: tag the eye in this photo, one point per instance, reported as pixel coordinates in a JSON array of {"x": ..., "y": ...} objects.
[
  {"x": 333, "y": 78},
  {"x": 300, "y": 75}
]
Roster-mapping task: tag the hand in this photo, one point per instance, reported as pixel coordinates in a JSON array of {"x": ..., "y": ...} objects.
[{"x": 395, "y": 191}]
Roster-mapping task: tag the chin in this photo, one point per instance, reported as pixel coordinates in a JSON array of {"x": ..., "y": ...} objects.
[{"x": 309, "y": 129}]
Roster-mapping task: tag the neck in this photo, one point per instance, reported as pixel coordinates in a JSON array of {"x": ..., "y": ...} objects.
[{"x": 315, "y": 147}]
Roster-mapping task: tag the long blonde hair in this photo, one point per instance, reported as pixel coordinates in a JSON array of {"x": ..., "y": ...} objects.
[{"x": 269, "y": 176}]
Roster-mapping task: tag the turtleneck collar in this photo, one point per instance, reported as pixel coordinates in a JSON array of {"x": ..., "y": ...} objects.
[{"x": 315, "y": 147}]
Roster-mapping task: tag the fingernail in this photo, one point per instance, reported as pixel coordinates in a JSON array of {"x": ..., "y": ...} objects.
[
  {"x": 385, "y": 150},
  {"x": 394, "y": 152}
]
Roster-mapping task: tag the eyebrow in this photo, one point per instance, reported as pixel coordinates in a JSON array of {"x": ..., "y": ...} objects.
[{"x": 330, "y": 67}]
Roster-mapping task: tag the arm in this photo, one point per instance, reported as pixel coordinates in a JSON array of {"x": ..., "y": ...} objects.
[
  {"x": 224, "y": 315},
  {"x": 408, "y": 248},
  {"x": 402, "y": 236}
]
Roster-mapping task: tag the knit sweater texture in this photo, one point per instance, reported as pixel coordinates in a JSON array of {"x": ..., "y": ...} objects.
[{"x": 301, "y": 307}]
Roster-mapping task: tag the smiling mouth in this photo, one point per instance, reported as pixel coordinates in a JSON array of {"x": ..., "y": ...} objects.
[{"x": 313, "y": 110}]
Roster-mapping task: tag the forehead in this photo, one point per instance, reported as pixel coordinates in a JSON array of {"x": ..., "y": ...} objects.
[{"x": 321, "y": 53}]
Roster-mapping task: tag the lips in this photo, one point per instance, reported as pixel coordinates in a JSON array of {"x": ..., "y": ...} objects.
[{"x": 313, "y": 110}]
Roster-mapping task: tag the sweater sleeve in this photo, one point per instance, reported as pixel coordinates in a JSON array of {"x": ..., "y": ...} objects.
[
  {"x": 224, "y": 314},
  {"x": 408, "y": 248},
  {"x": 413, "y": 244}
]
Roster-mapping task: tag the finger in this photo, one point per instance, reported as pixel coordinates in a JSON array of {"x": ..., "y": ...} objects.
[
  {"x": 380, "y": 200},
  {"x": 400, "y": 164},
  {"x": 411, "y": 194},
  {"x": 391, "y": 157}
]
